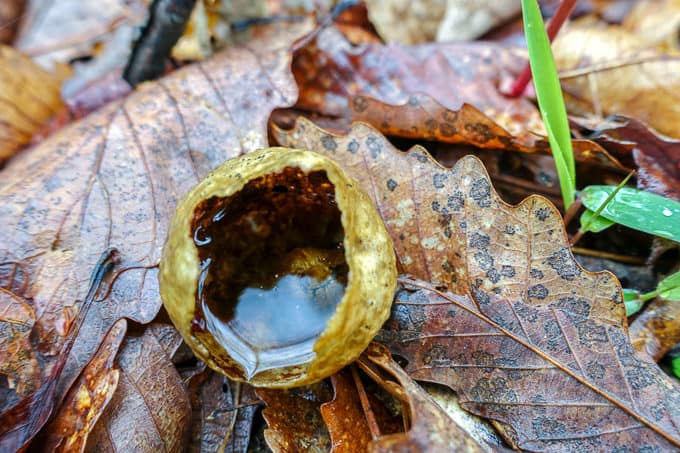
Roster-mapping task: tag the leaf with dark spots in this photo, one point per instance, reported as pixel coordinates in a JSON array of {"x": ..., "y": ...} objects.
[
  {"x": 150, "y": 406},
  {"x": 87, "y": 399},
  {"x": 535, "y": 332},
  {"x": 555, "y": 380},
  {"x": 344, "y": 416},
  {"x": 294, "y": 419},
  {"x": 220, "y": 421},
  {"x": 526, "y": 246},
  {"x": 431, "y": 429},
  {"x": 114, "y": 179}
]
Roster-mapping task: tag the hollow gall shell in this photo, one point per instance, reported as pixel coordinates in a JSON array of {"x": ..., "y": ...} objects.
[{"x": 277, "y": 269}]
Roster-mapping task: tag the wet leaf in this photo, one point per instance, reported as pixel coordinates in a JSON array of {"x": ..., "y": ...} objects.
[
  {"x": 88, "y": 397},
  {"x": 536, "y": 320},
  {"x": 344, "y": 416},
  {"x": 220, "y": 422},
  {"x": 637, "y": 209},
  {"x": 294, "y": 419},
  {"x": 657, "y": 329},
  {"x": 30, "y": 97},
  {"x": 65, "y": 30},
  {"x": 113, "y": 179},
  {"x": 150, "y": 410},
  {"x": 331, "y": 72},
  {"x": 594, "y": 224},
  {"x": 431, "y": 429}
]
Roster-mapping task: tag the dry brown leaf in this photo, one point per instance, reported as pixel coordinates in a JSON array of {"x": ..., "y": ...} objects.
[
  {"x": 87, "y": 399},
  {"x": 219, "y": 422},
  {"x": 114, "y": 180},
  {"x": 150, "y": 410},
  {"x": 330, "y": 71},
  {"x": 431, "y": 429},
  {"x": 610, "y": 71},
  {"x": 344, "y": 416},
  {"x": 655, "y": 22},
  {"x": 657, "y": 328},
  {"x": 294, "y": 419},
  {"x": 29, "y": 97},
  {"x": 535, "y": 311}
]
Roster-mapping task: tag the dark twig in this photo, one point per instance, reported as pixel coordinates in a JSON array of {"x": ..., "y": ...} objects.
[{"x": 167, "y": 20}]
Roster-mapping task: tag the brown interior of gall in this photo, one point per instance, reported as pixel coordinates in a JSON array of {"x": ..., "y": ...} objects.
[{"x": 272, "y": 259}]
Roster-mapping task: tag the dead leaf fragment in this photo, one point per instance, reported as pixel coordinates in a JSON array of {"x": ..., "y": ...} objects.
[
  {"x": 87, "y": 399},
  {"x": 10, "y": 14},
  {"x": 345, "y": 417},
  {"x": 606, "y": 71},
  {"x": 431, "y": 429},
  {"x": 114, "y": 178},
  {"x": 657, "y": 329},
  {"x": 220, "y": 422},
  {"x": 29, "y": 97},
  {"x": 294, "y": 420},
  {"x": 150, "y": 407}
]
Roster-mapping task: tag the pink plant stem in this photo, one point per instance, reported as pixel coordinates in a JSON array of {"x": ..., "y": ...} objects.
[{"x": 561, "y": 15}]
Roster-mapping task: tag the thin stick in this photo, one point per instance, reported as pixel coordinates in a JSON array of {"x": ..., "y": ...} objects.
[
  {"x": 638, "y": 261},
  {"x": 366, "y": 405},
  {"x": 554, "y": 26}
]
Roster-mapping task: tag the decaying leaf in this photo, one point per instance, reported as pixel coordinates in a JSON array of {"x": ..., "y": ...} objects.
[
  {"x": 431, "y": 429},
  {"x": 10, "y": 13},
  {"x": 29, "y": 96},
  {"x": 87, "y": 399},
  {"x": 344, "y": 416},
  {"x": 657, "y": 329},
  {"x": 150, "y": 406},
  {"x": 219, "y": 422},
  {"x": 114, "y": 180},
  {"x": 331, "y": 71},
  {"x": 294, "y": 420},
  {"x": 536, "y": 331},
  {"x": 610, "y": 71}
]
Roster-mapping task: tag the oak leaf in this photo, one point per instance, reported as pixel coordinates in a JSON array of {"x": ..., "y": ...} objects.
[{"x": 508, "y": 318}]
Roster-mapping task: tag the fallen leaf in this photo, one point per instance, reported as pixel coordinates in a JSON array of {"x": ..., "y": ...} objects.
[
  {"x": 219, "y": 422},
  {"x": 657, "y": 328},
  {"x": 87, "y": 399},
  {"x": 294, "y": 420},
  {"x": 30, "y": 97},
  {"x": 114, "y": 180},
  {"x": 552, "y": 376},
  {"x": 536, "y": 318},
  {"x": 441, "y": 20},
  {"x": 431, "y": 429},
  {"x": 150, "y": 410},
  {"x": 607, "y": 71},
  {"x": 330, "y": 71},
  {"x": 655, "y": 23},
  {"x": 344, "y": 416},
  {"x": 69, "y": 29}
]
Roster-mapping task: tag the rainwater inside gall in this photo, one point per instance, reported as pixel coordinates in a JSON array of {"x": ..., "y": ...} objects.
[{"x": 273, "y": 268}]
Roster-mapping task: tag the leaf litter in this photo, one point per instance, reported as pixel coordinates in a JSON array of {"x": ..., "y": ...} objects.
[{"x": 481, "y": 270}]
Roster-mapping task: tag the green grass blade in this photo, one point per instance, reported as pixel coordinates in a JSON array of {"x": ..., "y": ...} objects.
[
  {"x": 637, "y": 209},
  {"x": 550, "y": 101},
  {"x": 594, "y": 224},
  {"x": 632, "y": 300}
]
